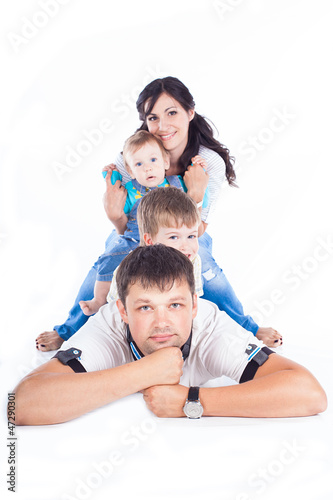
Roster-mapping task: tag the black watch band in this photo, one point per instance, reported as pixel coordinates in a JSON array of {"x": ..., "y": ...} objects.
[{"x": 193, "y": 394}]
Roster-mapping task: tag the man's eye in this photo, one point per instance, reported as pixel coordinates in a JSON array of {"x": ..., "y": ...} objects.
[
  {"x": 144, "y": 308},
  {"x": 175, "y": 305}
]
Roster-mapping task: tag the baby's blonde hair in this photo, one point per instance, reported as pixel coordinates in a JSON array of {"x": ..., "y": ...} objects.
[
  {"x": 136, "y": 141},
  {"x": 166, "y": 207}
]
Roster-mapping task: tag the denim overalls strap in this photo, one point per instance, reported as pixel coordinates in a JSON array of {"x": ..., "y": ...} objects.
[
  {"x": 174, "y": 181},
  {"x": 132, "y": 230}
]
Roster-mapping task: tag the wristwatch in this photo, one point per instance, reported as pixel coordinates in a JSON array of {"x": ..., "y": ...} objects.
[{"x": 193, "y": 408}]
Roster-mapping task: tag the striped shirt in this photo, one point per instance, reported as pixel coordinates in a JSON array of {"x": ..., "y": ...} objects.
[{"x": 215, "y": 170}]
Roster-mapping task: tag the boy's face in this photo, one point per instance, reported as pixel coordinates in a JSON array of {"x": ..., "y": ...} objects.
[
  {"x": 184, "y": 239},
  {"x": 148, "y": 165}
]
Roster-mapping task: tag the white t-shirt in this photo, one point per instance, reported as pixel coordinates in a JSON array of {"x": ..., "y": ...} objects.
[
  {"x": 218, "y": 344},
  {"x": 215, "y": 170}
]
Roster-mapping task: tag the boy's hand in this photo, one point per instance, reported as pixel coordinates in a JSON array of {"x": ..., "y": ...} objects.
[{"x": 114, "y": 197}]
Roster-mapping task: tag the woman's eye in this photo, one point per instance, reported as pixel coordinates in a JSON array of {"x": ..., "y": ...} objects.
[
  {"x": 172, "y": 113},
  {"x": 173, "y": 237},
  {"x": 152, "y": 118},
  {"x": 192, "y": 236}
]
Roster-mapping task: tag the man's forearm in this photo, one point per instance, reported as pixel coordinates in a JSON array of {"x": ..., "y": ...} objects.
[
  {"x": 53, "y": 393},
  {"x": 54, "y": 397},
  {"x": 288, "y": 393},
  {"x": 281, "y": 388}
]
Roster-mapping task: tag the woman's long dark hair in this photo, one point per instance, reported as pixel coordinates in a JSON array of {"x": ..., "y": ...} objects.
[{"x": 200, "y": 132}]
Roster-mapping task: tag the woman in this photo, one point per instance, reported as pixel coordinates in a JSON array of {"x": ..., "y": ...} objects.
[{"x": 167, "y": 110}]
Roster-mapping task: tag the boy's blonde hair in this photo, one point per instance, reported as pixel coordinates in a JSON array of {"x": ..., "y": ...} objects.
[
  {"x": 136, "y": 141},
  {"x": 166, "y": 207}
]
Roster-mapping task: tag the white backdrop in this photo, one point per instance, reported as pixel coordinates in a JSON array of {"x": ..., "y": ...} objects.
[{"x": 261, "y": 71}]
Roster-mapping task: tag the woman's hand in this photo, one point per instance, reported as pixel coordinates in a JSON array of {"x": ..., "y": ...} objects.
[
  {"x": 110, "y": 168},
  {"x": 114, "y": 201},
  {"x": 196, "y": 179}
]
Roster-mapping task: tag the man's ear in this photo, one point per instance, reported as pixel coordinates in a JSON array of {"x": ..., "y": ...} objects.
[
  {"x": 195, "y": 306},
  {"x": 122, "y": 311},
  {"x": 148, "y": 239}
]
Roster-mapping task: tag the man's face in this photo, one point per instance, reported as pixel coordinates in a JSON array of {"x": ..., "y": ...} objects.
[{"x": 159, "y": 319}]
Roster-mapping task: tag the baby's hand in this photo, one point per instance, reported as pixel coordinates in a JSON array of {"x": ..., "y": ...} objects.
[{"x": 198, "y": 160}]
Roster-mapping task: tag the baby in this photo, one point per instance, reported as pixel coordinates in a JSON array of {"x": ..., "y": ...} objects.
[{"x": 147, "y": 161}]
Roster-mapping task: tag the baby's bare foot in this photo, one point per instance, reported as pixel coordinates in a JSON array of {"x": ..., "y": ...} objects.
[
  {"x": 270, "y": 337},
  {"x": 48, "y": 341},
  {"x": 89, "y": 307}
]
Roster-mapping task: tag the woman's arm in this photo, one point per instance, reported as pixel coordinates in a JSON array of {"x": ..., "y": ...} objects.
[
  {"x": 216, "y": 172},
  {"x": 196, "y": 181},
  {"x": 114, "y": 201}
]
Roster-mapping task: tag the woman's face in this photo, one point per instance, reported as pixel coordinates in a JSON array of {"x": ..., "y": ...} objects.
[{"x": 169, "y": 121}]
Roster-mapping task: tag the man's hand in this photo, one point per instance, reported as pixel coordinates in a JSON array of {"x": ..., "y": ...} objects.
[
  {"x": 166, "y": 401},
  {"x": 163, "y": 366}
]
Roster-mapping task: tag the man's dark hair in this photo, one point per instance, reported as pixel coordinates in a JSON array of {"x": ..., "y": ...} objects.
[{"x": 154, "y": 266}]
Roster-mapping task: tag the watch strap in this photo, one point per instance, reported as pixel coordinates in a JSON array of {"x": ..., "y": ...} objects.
[{"x": 193, "y": 394}]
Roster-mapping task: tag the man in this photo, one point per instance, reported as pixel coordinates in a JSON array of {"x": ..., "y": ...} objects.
[{"x": 176, "y": 341}]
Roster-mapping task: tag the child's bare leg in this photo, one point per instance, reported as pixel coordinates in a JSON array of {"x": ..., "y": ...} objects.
[
  {"x": 270, "y": 337},
  {"x": 101, "y": 290},
  {"x": 48, "y": 341}
]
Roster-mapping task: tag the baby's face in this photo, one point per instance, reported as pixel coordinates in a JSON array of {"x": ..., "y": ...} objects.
[
  {"x": 148, "y": 165},
  {"x": 184, "y": 239}
]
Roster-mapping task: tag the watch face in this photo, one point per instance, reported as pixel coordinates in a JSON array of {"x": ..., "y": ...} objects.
[{"x": 193, "y": 409}]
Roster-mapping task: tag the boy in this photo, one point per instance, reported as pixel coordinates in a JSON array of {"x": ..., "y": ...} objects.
[
  {"x": 171, "y": 217},
  {"x": 147, "y": 161}
]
